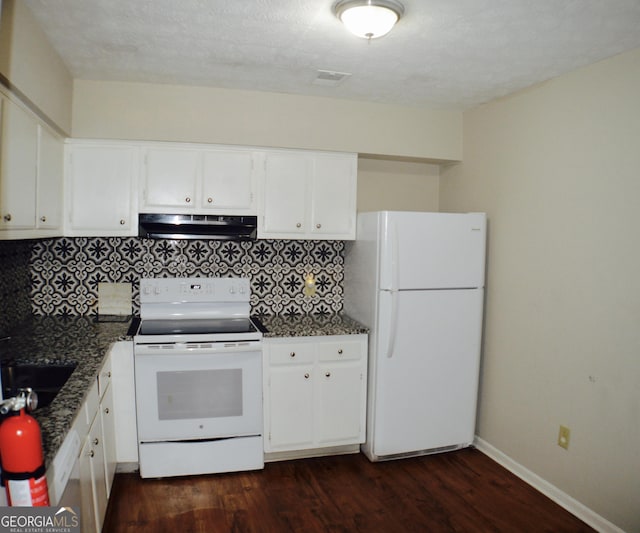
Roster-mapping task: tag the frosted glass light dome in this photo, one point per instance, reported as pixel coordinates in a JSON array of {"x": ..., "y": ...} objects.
[{"x": 369, "y": 19}]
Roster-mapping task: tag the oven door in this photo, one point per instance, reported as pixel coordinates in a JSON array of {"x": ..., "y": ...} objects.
[{"x": 194, "y": 391}]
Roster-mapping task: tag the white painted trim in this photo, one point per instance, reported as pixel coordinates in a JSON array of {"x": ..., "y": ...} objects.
[{"x": 572, "y": 505}]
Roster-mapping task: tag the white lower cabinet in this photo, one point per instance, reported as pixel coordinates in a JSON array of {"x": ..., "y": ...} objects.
[
  {"x": 93, "y": 484},
  {"x": 314, "y": 392},
  {"x": 108, "y": 437},
  {"x": 97, "y": 460}
]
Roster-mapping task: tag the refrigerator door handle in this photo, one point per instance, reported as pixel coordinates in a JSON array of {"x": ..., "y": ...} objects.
[
  {"x": 395, "y": 257},
  {"x": 394, "y": 323}
]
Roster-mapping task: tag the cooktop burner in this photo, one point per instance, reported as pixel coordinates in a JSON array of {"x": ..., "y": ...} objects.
[{"x": 196, "y": 326}]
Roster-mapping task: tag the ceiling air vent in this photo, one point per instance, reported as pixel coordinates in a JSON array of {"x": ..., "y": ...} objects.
[{"x": 330, "y": 78}]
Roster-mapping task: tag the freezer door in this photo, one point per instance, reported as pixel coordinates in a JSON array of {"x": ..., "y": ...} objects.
[
  {"x": 432, "y": 250},
  {"x": 425, "y": 377}
]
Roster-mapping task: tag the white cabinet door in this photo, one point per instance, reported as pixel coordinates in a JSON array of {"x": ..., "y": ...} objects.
[
  {"x": 170, "y": 180},
  {"x": 100, "y": 179},
  {"x": 338, "y": 403},
  {"x": 87, "y": 506},
  {"x": 18, "y": 161},
  {"x": 50, "y": 180},
  {"x": 284, "y": 197},
  {"x": 333, "y": 196},
  {"x": 228, "y": 182},
  {"x": 108, "y": 437},
  {"x": 93, "y": 488},
  {"x": 291, "y": 403},
  {"x": 98, "y": 472}
]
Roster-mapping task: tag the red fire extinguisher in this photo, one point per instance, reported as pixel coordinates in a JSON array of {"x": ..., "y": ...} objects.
[{"x": 21, "y": 457}]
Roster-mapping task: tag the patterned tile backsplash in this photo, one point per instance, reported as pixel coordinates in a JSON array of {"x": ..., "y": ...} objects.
[
  {"x": 15, "y": 284},
  {"x": 65, "y": 272}
]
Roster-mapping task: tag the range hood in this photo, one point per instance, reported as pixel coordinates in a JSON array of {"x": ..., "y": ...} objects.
[{"x": 220, "y": 227}]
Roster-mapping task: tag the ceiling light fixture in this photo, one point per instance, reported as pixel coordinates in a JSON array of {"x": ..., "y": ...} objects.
[{"x": 369, "y": 19}]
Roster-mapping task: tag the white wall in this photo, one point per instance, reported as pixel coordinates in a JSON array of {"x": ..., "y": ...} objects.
[
  {"x": 385, "y": 184},
  {"x": 557, "y": 170},
  {"x": 34, "y": 70},
  {"x": 117, "y": 110}
]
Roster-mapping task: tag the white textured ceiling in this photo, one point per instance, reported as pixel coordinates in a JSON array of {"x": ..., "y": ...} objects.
[{"x": 442, "y": 53}]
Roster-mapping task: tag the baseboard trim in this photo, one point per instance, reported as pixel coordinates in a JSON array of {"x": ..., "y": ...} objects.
[{"x": 572, "y": 505}]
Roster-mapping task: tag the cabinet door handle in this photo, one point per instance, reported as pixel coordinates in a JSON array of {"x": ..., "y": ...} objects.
[
  {"x": 96, "y": 441},
  {"x": 106, "y": 410},
  {"x": 187, "y": 199},
  {"x": 7, "y": 217},
  {"x": 210, "y": 200},
  {"x": 327, "y": 374},
  {"x": 318, "y": 226},
  {"x": 292, "y": 354},
  {"x": 298, "y": 225},
  {"x": 122, "y": 222},
  {"x": 306, "y": 376},
  {"x": 91, "y": 453},
  {"x": 43, "y": 218},
  {"x": 340, "y": 351}
]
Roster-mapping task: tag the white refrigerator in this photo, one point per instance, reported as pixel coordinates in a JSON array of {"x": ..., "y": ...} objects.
[{"x": 417, "y": 281}]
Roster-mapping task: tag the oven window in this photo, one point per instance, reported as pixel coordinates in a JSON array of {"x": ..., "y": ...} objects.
[{"x": 199, "y": 394}]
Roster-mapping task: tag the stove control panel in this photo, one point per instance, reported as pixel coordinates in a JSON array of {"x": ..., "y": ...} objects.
[{"x": 181, "y": 290}]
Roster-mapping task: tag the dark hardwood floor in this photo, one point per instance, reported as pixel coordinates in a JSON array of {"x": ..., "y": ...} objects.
[{"x": 458, "y": 491}]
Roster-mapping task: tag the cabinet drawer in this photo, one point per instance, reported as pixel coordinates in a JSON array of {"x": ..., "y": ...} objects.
[
  {"x": 340, "y": 351},
  {"x": 291, "y": 353}
]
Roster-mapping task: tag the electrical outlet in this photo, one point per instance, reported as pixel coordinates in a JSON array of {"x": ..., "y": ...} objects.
[{"x": 563, "y": 437}]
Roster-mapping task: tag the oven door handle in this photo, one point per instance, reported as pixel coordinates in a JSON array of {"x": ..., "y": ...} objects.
[{"x": 176, "y": 348}]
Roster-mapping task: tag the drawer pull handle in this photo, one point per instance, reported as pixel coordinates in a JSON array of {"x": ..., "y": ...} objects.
[
  {"x": 122, "y": 221},
  {"x": 340, "y": 351},
  {"x": 306, "y": 376},
  {"x": 43, "y": 218},
  {"x": 298, "y": 225},
  {"x": 187, "y": 199},
  {"x": 318, "y": 226},
  {"x": 91, "y": 453},
  {"x": 210, "y": 200},
  {"x": 106, "y": 410},
  {"x": 328, "y": 374},
  {"x": 96, "y": 441},
  {"x": 292, "y": 354},
  {"x": 7, "y": 217}
]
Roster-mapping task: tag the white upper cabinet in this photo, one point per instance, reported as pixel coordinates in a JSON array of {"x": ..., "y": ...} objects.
[
  {"x": 308, "y": 195},
  {"x": 31, "y": 175},
  {"x": 101, "y": 179},
  {"x": 199, "y": 180},
  {"x": 18, "y": 168}
]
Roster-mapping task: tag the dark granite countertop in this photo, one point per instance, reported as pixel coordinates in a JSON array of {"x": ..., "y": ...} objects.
[
  {"x": 310, "y": 325},
  {"x": 54, "y": 340}
]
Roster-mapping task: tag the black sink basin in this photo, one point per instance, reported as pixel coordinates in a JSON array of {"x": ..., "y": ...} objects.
[{"x": 46, "y": 380}]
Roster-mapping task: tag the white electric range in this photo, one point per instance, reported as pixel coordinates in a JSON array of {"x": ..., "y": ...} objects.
[{"x": 198, "y": 375}]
